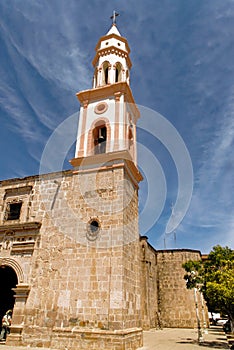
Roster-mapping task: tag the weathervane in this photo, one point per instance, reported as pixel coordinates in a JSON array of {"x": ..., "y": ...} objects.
[{"x": 113, "y": 17}]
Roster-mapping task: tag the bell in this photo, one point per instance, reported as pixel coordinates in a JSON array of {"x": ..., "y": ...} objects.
[{"x": 101, "y": 139}]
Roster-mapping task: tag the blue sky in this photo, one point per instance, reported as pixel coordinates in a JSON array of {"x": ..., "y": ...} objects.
[{"x": 182, "y": 53}]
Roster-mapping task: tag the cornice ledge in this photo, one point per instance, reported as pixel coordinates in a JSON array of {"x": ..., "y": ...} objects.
[
  {"x": 20, "y": 226},
  {"x": 111, "y": 49},
  {"x": 106, "y": 160},
  {"x": 106, "y": 91}
]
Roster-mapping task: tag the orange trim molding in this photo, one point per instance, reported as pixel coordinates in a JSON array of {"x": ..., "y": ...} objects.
[
  {"x": 111, "y": 50},
  {"x": 107, "y": 160},
  {"x": 106, "y": 91}
]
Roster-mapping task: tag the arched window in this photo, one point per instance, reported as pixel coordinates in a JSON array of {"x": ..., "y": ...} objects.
[
  {"x": 105, "y": 68},
  {"x": 106, "y": 75},
  {"x": 118, "y": 72},
  {"x": 99, "y": 137}
]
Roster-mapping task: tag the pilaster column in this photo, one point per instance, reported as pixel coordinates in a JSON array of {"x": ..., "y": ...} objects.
[
  {"x": 117, "y": 111},
  {"x": 21, "y": 295},
  {"x": 123, "y": 75},
  {"x": 110, "y": 72},
  {"x": 99, "y": 77},
  {"x": 81, "y": 151},
  {"x": 113, "y": 74}
]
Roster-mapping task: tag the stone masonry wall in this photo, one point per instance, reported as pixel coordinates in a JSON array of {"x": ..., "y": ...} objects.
[
  {"x": 176, "y": 303},
  {"x": 131, "y": 256},
  {"x": 79, "y": 278},
  {"x": 149, "y": 297},
  {"x": 93, "y": 283}
]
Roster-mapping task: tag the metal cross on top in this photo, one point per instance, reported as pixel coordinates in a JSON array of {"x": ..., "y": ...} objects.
[{"x": 113, "y": 17}]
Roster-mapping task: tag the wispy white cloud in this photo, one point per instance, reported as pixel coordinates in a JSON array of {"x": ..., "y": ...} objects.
[
  {"x": 183, "y": 67},
  {"x": 53, "y": 47},
  {"x": 212, "y": 207},
  {"x": 42, "y": 62}
]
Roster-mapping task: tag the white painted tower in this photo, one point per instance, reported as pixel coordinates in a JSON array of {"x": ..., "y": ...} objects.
[{"x": 108, "y": 113}]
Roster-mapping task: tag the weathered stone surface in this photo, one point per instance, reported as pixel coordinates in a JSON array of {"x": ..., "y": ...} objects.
[
  {"x": 77, "y": 280},
  {"x": 176, "y": 305},
  {"x": 82, "y": 288}
]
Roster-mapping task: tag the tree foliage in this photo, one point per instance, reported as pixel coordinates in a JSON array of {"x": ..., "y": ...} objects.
[{"x": 215, "y": 278}]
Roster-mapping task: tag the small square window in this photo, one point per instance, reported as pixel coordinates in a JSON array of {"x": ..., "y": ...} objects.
[{"x": 13, "y": 211}]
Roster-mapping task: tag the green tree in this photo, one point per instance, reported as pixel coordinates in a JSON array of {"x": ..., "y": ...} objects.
[{"x": 215, "y": 277}]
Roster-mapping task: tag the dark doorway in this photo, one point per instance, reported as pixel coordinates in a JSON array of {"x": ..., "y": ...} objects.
[{"x": 8, "y": 280}]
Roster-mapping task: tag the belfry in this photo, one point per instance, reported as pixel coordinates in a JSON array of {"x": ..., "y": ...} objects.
[
  {"x": 108, "y": 114},
  {"x": 74, "y": 268}
]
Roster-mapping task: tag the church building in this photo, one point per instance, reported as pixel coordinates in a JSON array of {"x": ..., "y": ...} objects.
[{"x": 73, "y": 266}]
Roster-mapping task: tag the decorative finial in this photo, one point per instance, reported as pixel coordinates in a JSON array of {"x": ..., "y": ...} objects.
[{"x": 113, "y": 17}]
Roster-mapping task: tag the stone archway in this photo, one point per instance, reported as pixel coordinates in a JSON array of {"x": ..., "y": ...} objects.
[
  {"x": 8, "y": 281},
  {"x": 13, "y": 295},
  {"x": 15, "y": 266}
]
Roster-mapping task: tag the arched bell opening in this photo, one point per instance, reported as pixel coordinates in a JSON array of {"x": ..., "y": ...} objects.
[
  {"x": 9, "y": 281},
  {"x": 105, "y": 75},
  {"x": 100, "y": 137},
  {"x": 118, "y": 72}
]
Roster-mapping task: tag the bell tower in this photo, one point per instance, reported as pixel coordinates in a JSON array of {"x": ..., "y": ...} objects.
[
  {"x": 105, "y": 195},
  {"x": 108, "y": 113}
]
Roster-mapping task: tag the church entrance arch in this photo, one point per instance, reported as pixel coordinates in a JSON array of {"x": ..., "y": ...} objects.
[{"x": 8, "y": 280}]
